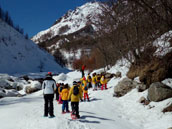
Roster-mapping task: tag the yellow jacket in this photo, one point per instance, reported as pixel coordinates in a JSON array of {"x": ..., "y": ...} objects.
[
  {"x": 64, "y": 94},
  {"x": 94, "y": 79},
  {"x": 103, "y": 80},
  {"x": 89, "y": 79},
  {"x": 85, "y": 91},
  {"x": 84, "y": 83},
  {"x": 75, "y": 98}
]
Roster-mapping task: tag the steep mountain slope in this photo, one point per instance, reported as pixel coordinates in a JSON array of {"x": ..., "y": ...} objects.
[
  {"x": 19, "y": 55},
  {"x": 72, "y": 34}
]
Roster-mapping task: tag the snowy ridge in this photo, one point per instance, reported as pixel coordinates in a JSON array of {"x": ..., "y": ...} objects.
[
  {"x": 72, "y": 21},
  {"x": 19, "y": 55}
]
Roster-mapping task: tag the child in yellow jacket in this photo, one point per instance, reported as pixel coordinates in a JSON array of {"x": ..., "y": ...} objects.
[
  {"x": 64, "y": 96},
  {"x": 75, "y": 95},
  {"x": 85, "y": 90},
  {"x": 103, "y": 82},
  {"x": 94, "y": 82}
]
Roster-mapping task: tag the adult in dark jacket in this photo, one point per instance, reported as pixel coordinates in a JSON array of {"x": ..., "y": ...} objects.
[{"x": 48, "y": 86}]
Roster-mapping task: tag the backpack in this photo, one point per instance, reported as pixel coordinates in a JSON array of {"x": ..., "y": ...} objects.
[
  {"x": 85, "y": 88},
  {"x": 98, "y": 78},
  {"x": 89, "y": 77},
  {"x": 75, "y": 90}
]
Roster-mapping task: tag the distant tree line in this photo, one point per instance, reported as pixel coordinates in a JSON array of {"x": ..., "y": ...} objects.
[{"x": 5, "y": 16}]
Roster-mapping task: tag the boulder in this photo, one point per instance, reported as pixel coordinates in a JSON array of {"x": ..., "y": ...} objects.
[
  {"x": 108, "y": 75},
  {"x": 12, "y": 93},
  {"x": 144, "y": 101},
  {"x": 30, "y": 89},
  {"x": 118, "y": 75},
  {"x": 141, "y": 87},
  {"x": 5, "y": 84},
  {"x": 2, "y": 93},
  {"x": 158, "y": 92},
  {"x": 124, "y": 87}
]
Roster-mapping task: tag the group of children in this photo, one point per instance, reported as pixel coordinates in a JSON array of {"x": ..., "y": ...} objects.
[{"x": 78, "y": 92}]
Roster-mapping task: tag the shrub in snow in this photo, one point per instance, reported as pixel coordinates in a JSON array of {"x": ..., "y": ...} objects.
[
  {"x": 168, "y": 109},
  {"x": 124, "y": 86},
  {"x": 158, "y": 92},
  {"x": 154, "y": 70}
]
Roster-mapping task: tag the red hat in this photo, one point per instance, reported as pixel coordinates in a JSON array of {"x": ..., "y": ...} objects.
[
  {"x": 49, "y": 73},
  {"x": 84, "y": 78}
]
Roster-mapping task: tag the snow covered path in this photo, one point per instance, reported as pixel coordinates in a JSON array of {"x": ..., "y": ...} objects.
[
  {"x": 103, "y": 111},
  {"x": 27, "y": 113}
]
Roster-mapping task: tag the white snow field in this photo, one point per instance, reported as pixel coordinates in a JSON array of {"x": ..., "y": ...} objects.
[
  {"x": 102, "y": 112},
  {"x": 20, "y": 55}
]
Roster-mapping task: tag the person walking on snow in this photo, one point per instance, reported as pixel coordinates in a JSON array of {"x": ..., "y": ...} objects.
[
  {"x": 75, "y": 95},
  {"x": 94, "y": 82},
  {"x": 89, "y": 79},
  {"x": 64, "y": 95},
  {"x": 57, "y": 92},
  {"x": 82, "y": 70},
  {"x": 60, "y": 90},
  {"x": 103, "y": 82},
  {"x": 48, "y": 86},
  {"x": 85, "y": 90}
]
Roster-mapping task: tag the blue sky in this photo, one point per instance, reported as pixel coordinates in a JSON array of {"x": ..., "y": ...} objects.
[{"x": 37, "y": 15}]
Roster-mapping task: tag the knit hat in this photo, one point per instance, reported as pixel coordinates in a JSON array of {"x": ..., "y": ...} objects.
[
  {"x": 79, "y": 82},
  {"x": 49, "y": 73}
]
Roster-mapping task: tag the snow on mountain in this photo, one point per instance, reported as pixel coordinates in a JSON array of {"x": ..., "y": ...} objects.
[
  {"x": 71, "y": 22},
  {"x": 19, "y": 55}
]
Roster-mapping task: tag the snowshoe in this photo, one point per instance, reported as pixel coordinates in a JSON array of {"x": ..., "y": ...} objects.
[
  {"x": 63, "y": 112},
  {"x": 73, "y": 116},
  {"x": 67, "y": 111}
]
